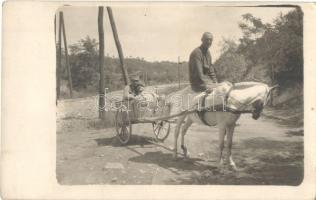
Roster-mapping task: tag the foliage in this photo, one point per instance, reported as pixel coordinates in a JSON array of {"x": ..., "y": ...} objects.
[
  {"x": 231, "y": 65},
  {"x": 84, "y": 63},
  {"x": 272, "y": 51}
]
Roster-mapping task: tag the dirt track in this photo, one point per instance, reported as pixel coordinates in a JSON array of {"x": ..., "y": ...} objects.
[{"x": 265, "y": 151}]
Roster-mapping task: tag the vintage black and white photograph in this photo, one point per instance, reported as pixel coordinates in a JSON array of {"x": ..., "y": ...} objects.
[{"x": 179, "y": 95}]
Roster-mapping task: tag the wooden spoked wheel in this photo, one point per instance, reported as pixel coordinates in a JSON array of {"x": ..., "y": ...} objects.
[
  {"x": 123, "y": 126},
  {"x": 161, "y": 130}
]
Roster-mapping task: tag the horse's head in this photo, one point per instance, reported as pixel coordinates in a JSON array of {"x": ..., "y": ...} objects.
[
  {"x": 260, "y": 103},
  {"x": 270, "y": 91},
  {"x": 257, "y": 108},
  {"x": 249, "y": 96}
]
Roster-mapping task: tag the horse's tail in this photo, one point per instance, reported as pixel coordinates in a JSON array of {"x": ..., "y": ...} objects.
[{"x": 273, "y": 87}]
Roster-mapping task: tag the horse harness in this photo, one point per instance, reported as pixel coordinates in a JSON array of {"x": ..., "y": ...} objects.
[{"x": 217, "y": 108}]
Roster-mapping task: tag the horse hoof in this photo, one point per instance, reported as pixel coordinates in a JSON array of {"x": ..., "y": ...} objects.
[
  {"x": 186, "y": 158},
  {"x": 184, "y": 149},
  {"x": 234, "y": 167},
  {"x": 186, "y": 154}
]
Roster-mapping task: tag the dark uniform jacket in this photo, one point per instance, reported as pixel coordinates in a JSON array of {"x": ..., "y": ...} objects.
[{"x": 201, "y": 69}]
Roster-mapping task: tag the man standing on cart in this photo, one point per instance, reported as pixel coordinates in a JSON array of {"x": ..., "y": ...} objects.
[{"x": 201, "y": 72}]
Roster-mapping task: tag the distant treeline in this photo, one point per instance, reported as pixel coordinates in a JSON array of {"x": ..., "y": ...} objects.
[{"x": 84, "y": 64}]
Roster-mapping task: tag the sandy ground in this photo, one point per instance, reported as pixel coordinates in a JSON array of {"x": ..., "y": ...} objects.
[{"x": 266, "y": 152}]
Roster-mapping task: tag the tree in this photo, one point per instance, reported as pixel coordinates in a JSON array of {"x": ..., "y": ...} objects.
[
  {"x": 278, "y": 46},
  {"x": 231, "y": 65},
  {"x": 84, "y": 62}
]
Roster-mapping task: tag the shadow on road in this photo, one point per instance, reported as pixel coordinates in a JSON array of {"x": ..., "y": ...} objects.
[
  {"x": 165, "y": 160},
  {"x": 135, "y": 140},
  {"x": 260, "y": 161},
  {"x": 295, "y": 133}
]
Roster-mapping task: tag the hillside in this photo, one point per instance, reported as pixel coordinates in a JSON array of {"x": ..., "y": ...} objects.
[{"x": 85, "y": 70}]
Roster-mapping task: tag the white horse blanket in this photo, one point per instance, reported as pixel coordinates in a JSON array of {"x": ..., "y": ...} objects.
[
  {"x": 244, "y": 94},
  {"x": 238, "y": 96}
]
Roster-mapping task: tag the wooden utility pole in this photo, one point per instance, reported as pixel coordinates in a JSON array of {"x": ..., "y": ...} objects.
[
  {"x": 58, "y": 70},
  {"x": 56, "y": 53},
  {"x": 145, "y": 74},
  {"x": 118, "y": 46},
  {"x": 101, "y": 64},
  {"x": 66, "y": 53},
  {"x": 272, "y": 80},
  {"x": 144, "y": 77},
  {"x": 179, "y": 63}
]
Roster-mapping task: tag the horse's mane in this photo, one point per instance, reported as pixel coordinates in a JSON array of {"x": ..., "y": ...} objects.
[{"x": 244, "y": 85}]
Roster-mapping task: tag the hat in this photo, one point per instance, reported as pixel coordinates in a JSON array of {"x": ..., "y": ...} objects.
[{"x": 135, "y": 76}]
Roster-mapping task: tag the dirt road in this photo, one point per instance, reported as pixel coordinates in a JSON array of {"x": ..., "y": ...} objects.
[{"x": 266, "y": 152}]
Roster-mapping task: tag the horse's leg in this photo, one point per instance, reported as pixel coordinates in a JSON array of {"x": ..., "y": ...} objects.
[
  {"x": 222, "y": 133},
  {"x": 185, "y": 128},
  {"x": 176, "y": 135},
  {"x": 230, "y": 133}
]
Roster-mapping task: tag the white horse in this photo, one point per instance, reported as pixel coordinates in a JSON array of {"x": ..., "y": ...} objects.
[{"x": 243, "y": 96}]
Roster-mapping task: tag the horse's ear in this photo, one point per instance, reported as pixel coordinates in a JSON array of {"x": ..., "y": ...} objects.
[{"x": 273, "y": 87}]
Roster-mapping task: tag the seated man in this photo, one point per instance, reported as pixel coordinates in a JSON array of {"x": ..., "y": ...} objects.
[
  {"x": 142, "y": 100},
  {"x": 135, "y": 89},
  {"x": 202, "y": 74}
]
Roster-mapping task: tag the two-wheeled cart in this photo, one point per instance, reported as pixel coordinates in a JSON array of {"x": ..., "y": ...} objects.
[{"x": 132, "y": 112}]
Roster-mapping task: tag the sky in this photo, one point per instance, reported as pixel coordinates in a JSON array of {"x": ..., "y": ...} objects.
[{"x": 162, "y": 33}]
